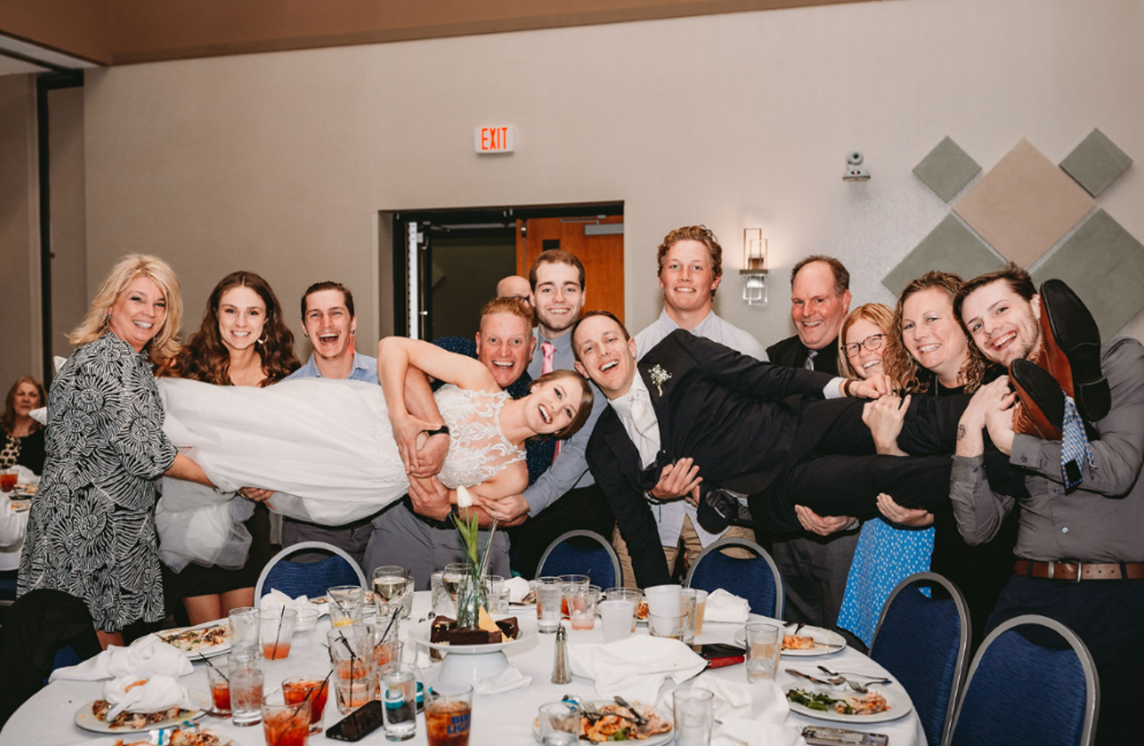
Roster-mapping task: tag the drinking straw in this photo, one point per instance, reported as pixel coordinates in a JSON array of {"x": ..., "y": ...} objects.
[
  {"x": 220, "y": 673},
  {"x": 278, "y": 634}
]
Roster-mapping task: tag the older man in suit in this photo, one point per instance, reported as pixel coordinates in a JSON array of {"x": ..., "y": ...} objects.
[{"x": 752, "y": 427}]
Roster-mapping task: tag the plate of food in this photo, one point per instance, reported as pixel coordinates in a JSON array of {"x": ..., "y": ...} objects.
[
  {"x": 607, "y": 728},
  {"x": 195, "y": 736},
  {"x": 19, "y": 506},
  {"x": 881, "y": 704},
  {"x": 93, "y": 716},
  {"x": 201, "y": 641},
  {"x": 496, "y": 633},
  {"x": 810, "y": 641},
  {"x": 24, "y": 490}
]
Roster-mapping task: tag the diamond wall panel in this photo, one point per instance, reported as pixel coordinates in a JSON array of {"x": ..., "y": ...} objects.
[
  {"x": 1096, "y": 163},
  {"x": 1024, "y": 205},
  {"x": 1104, "y": 264},
  {"x": 950, "y": 247},
  {"x": 947, "y": 169}
]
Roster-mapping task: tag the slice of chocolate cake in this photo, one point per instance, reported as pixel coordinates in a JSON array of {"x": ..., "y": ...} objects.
[
  {"x": 509, "y": 627},
  {"x": 440, "y": 629},
  {"x": 473, "y": 636}
]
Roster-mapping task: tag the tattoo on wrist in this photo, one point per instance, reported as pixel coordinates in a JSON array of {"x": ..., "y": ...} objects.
[{"x": 960, "y": 432}]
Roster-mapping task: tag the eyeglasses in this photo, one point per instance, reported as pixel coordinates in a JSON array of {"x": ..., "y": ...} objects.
[{"x": 871, "y": 343}]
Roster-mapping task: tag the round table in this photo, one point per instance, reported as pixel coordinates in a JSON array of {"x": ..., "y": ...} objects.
[{"x": 47, "y": 718}]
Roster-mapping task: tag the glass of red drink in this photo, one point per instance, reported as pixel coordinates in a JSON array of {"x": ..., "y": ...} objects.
[
  {"x": 315, "y": 690},
  {"x": 283, "y": 723},
  {"x": 448, "y": 714},
  {"x": 220, "y": 687},
  {"x": 276, "y": 631}
]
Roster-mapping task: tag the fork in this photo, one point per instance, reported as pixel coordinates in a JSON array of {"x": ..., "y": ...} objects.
[
  {"x": 593, "y": 712},
  {"x": 872, "y": 679}
]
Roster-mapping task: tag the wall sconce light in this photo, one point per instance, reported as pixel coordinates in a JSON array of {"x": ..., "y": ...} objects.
[
  {"x": 855, "y": 171},
  {"x": 754, "y": 271}
]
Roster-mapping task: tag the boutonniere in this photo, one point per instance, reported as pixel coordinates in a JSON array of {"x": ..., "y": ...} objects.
[{"x": 659, "y": 376}]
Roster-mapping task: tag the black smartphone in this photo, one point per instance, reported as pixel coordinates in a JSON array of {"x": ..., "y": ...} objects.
[
  {"x": 719, "y": 651},
  {"x": 821, "y": 735},
  {"x": 359, "y": 723}
]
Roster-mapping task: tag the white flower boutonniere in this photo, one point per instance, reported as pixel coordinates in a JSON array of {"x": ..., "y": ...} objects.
[{"x": 659, "y": 376}]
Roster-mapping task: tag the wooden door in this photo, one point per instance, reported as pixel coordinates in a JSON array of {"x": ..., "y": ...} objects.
[{"x": 602, "y": 255}]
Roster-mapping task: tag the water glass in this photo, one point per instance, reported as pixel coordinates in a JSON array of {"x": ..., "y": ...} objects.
[
  {"x": 246, "y": 695},
  {"x": 496, "y": 593},
  {"x": 442, "y": 603},
  {"x": 346, "y": 602},
  {"x": 243, "y": 624},
  {"x": 632, "y": 595},
  {"x": 285, "y": 723},
  {"x": 312, "y": 690},
  {"x": 665, "y": 625},
  {"x": 549, "y": 597},
  {"x": 399, "y": 695},
  {"x": 616, "y": 618},
  {"x": 558, "y": 724},
  {"x": 581, "y": 607},
  {"x": 764, "y": 644},
  {"x": 700, "y": 610},
  {"x": 694, "y": 711},
  {"x": 306, "y": 626},
  {"x": 276, "y": 632},
  {"x": 448, "y": 714},
  {"x": 687, "y": 616}
]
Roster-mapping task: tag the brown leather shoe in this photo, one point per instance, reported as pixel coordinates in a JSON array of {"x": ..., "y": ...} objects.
[
  {"x": 1041, "y": 409},
  {"x": 1071, "y": 341}
]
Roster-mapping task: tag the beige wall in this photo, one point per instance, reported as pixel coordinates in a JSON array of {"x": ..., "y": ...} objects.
[
  {"x": 19, "y": 233},
  {"x": 70, "y": 299},
  {"x": 280, "y": 162}
]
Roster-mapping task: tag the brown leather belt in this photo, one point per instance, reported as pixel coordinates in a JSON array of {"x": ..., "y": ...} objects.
[{"x": 1077, "y": 571}]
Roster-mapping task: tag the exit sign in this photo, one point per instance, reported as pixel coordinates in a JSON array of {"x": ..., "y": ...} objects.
[{"x": 494, "y": 139}]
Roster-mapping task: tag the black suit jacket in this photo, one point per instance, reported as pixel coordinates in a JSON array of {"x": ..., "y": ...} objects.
[
  {"x": 792, "y": 352},
  {"x": 734, "y": 415}
]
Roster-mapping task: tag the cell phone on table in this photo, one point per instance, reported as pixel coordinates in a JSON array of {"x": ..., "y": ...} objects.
[
  {"x": 821, "y": 735},
  {"x": 359, "y": 723}
]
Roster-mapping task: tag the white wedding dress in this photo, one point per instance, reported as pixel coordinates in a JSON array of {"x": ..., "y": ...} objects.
[{"x": 324, "y": 446}]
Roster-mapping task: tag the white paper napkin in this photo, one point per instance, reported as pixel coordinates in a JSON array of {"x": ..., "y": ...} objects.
[
  {"x": 142, "y": 659},
  {"x": 635, "y": 667},
  {"x": 518, "y": 588},
  {"x": 158, "y": 693},
  {"x": 752, "y": 714},
  {"x": 505, "y": 681},
  {"x": 726, "y": 607}
]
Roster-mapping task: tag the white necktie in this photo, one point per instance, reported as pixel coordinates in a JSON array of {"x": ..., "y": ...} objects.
[
  {"x": 811, "y": 355},
  {"x": 643, "y": 416}
]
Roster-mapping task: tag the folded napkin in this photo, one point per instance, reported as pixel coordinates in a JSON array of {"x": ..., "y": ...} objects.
[
  {"x": 635, "y": 667},
  {"x": 752, "y": 714},
  {"x": 142, "y": 659},
  {"x": 518, "y": 588},
  {"x": 276, "y": 599},
  {"x": 726, "y": 607},
  {"x": 157, "y": 693},
  {"x": 505, "y": 681}
]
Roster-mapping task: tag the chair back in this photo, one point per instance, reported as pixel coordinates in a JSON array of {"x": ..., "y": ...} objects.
[
  {"x": 755, "y": 578},
  {"x": 923, "y": 641},
  {"x": 308, "y": 578},
  {"x": 1033, "y": 681},
  {"x": 582, "y": 552}
]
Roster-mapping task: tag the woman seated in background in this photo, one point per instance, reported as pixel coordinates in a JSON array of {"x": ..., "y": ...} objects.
[
  {"x": 242, "y": 341},
  {"x": 91, "y": 529},
  {"x": 23, "y": 436}
]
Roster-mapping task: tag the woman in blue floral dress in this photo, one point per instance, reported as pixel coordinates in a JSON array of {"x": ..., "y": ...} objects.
[{"x": 91, "y": 531}]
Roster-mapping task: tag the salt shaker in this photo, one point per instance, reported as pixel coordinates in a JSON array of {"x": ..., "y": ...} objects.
[{"x": 560, "y": 672}]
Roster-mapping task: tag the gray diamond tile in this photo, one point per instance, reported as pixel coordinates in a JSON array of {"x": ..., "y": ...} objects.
[
  {"x": 1104, "y": 264},
  {"x": 947, "y": 169},
  {"x": 1096, "y": 163},
  {"x": 950, "y": 247}
]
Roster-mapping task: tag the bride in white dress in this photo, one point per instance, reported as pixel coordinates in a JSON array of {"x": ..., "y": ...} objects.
[{"x": 327, "y": 448}]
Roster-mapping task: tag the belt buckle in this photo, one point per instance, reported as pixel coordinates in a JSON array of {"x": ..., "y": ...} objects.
[{"x": 1079, "y": 568}]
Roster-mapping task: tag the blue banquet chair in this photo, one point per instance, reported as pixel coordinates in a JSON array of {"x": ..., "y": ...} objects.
[
  {"x": 309, "y": 578},
  {"x": 582, "y": 552},
  {"x": 756, "y": 578}
]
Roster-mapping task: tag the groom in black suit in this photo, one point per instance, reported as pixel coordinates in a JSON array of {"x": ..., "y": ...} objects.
[{"x": 751, "y": 427}]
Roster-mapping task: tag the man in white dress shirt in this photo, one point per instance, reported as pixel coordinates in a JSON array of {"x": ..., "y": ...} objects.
[{"x": 690, "y": 270}]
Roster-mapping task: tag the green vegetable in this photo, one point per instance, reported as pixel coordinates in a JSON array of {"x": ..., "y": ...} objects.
[
  {"x": 620, "y": 735},
  {"x": 817, "y": 701}
]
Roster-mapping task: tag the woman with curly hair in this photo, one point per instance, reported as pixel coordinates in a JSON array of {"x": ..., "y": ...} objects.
[
  {"x": 242, "y": 341},
  {"x": 91, "y": 529},
  {"x": 23, "y": 436}
]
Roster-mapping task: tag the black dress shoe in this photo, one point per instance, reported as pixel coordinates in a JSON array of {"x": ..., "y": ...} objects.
[
  {"x": 1041, "y": 397},
  {"x": 1073, "y": 333}
]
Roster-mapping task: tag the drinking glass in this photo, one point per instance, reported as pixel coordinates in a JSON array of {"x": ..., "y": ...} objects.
[
  {"x": 355, "y": 665},
  {"x": 346, "y": 602},
  {"x": 442, "y": 603},
  {"x": 496, "y": 593},
  {"x": 687, "y": 616},
  {"x": 665, "y": 625},
  {"x": 217, "y": 675},
  {"x": 399, "y": 695},
  {"x": 616, "y": 618},
  {"x": 285, "y": 723},
  {"x": 632, "y": 595},
  {"x": 694, "y": 711},
  {"x": 312, "y": 690},
  {"x": 448, "y": 714},
  {"x": 764, "y": 643},
  {"x": 549, "y": 596},
  {"x": 581, "y": 607},
  {"x": 663, "y": 599},
  {"x": 559, "y": 724},
  {"x": 389, "y": 585},
  {"x": 305, "y": 627},
  {"x": 276, "y": 631},
  {"x": 572, "y": 582},
  {"x": 246, "y": 695},
  {"x": 451, "y": 578},
  {"x": 243, "y": 624},
  {"x": 700, "y": 610}
]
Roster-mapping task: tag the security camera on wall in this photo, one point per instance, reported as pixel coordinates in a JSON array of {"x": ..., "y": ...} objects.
[{"x": 855, "y": 171}]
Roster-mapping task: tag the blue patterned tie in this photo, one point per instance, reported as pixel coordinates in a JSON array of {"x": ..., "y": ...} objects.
[{"x": 1075, "y": 449}]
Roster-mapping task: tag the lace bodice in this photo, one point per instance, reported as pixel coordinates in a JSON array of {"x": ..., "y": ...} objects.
[{"x": 477, "y": 448}]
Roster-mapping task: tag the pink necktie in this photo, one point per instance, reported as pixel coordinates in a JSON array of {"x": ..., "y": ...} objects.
[{"x": 548, "y": 349}]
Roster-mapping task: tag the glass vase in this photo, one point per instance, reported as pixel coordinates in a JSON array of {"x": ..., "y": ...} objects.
[{"x": 470, "y": 599}]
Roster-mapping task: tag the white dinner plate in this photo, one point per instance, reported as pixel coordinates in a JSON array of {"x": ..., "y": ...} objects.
[
  {"x": 896, "y": 697},
  {"x": 19, "y": 506},
  {"x": 826, "y": 642},
  {"x": 659, "y": 739},
  {"x": 85, "y": 718},
  {"x": 201, "y": 653}
]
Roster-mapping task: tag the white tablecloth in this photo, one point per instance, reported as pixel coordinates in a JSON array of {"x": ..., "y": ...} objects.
[{"x": 47, "y": 718}]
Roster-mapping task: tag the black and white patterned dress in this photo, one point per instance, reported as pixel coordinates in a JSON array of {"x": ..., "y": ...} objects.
[{"x": 91, "y": 531}]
